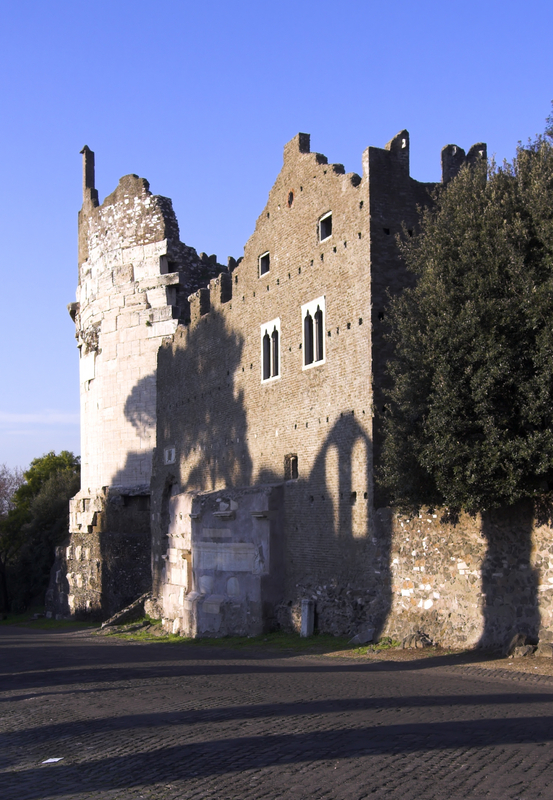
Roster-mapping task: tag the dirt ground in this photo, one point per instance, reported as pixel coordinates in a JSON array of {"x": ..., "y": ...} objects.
[{"x": 531, "y": 665}]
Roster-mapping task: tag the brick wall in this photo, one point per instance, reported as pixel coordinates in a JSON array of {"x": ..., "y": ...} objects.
[{"x": 228, "y": 427}]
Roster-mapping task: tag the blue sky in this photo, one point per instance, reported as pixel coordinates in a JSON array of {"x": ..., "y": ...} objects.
[{"x": 200, "y": 98}]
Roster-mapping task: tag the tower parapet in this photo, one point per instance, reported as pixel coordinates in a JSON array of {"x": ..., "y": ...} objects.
[{"x": 454, "y": 157}]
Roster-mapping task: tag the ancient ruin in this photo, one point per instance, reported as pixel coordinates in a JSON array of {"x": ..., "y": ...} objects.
[{"x": 229, "y": 433}]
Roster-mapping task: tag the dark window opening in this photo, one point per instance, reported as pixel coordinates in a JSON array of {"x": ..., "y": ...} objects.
[
  {"x": 308, "y": 339},
  {"x": 274, "y": 353},
  {"x": 325, "y": 226},
  {"x": 270, "y": 351},
  {"x": 266, "y": 357},
  {"x": 380, "y": 315},
  {"x": 290, "y": 199},
  {"x": 291, "y": 467},
  {"x": 319, "y": 335},
  {"x": 264, "y": 264},
  {"x": 386, "y": 231}
]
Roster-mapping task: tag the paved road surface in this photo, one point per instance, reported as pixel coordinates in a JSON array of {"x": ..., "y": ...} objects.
[{"x": 169, "y": 722}]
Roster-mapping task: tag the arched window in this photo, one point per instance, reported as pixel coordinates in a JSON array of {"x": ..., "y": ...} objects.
[
  {"x": 319, "y": 335},
  {"x": 308, "y": 339},
  {"x": 266, "y": 357},
  {"x": 313, "y": 317},
  {"x": 270, "y": 350},
  {"x": 274, "y": 353}
]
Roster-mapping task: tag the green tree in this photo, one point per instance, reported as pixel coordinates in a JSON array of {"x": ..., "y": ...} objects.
[
  {"x": 10, "y": 481},
  {"x": 469, "y": 415},
  {"x": 34, "y": 524}
]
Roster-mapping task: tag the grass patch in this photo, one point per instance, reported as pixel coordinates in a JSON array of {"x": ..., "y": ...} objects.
[
  {"x": 386, "y": 643},
  {"x": 148, "y": 631},
  {"x": 25, "y": 620}
]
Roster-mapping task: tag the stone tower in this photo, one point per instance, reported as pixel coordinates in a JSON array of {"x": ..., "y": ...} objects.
[{"x": 134, "y": 279}]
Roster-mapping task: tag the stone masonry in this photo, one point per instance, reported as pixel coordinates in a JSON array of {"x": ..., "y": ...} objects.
[
  {"x": 231, "y": 424},
  {"x": 134, "y": 279}
]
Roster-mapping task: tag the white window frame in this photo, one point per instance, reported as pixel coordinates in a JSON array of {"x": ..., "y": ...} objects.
[
  {"x": 321, "y": 220},
  {"x": 268, "y": 328},
  {"x": 312, "y": 308},
  {"x": 259, "y": 273}
]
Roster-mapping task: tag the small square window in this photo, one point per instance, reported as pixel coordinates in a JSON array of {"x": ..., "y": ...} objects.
[
  {"x": 264, "y": 264},
  {"x": 325, "y": 226},
  {"x": 169, "y": 455}
]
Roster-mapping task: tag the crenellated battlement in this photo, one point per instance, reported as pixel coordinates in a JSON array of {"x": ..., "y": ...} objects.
[{"x": 454, "y": 157}]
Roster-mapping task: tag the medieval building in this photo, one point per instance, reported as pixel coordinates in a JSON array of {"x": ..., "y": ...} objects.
[{"x": 230, "y": 416}]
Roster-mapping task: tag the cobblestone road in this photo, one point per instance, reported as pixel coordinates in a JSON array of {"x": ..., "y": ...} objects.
[{"x": 169, "y": 722}]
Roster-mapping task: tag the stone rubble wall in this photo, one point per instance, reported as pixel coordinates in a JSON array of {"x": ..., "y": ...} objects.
[{"x": 475, "y": 581}]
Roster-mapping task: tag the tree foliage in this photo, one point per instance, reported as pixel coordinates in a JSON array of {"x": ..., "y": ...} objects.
[
  {"x": 10, "y": 480},
  {"x": 35, "y": 521},
  {"x": 469, "y": 419}
]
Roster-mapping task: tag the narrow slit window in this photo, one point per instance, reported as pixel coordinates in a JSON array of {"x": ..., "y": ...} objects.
[
  {"x": 264, "y": 264},
  {"x": 274, "y": 353},
  {"x": 319, "y": 335},
  {"x": 325, "y": 226},
  {"x": 291, "y": 467},
  {"x": 308, "y": 339},
  {"x": 266, "y": 357},
  {"x": 270, "y": 350}
]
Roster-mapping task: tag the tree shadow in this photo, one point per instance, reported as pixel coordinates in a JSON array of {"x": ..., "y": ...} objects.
[
  {"x": 214, "y": 447},
  {"x": 335, "y": 551},
  {"x": 124, "y": 538},
  {"x": 202, "y": 432},
  {"x": 337, "y": 554},
  {"x": 509, "y": 582}
]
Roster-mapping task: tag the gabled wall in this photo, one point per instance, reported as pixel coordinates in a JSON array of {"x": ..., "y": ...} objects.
[{"x": 224, "y": 426}]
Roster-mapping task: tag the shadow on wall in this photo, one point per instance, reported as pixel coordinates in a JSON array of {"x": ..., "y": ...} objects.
[
  {"x": 202, "y": 416},
  {"x": 509, "y": 582},
  {"x": 124, "y": 537},
  {"x": 140, "y": 411},
  {"x": 334, "y": 553},
  {"x": 207, "y": 414}
]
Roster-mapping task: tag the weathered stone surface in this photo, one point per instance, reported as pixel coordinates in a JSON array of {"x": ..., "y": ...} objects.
[
  {"x": 223, "y": 566},
  {"x": 416, "y": 641},
  {"x": 523, "y": 650},
  {"x": 135, "y": 276},
  {"x": 517, "y": 641},
  {"x": 364, "y": 636},
  {"x": 544, "y": 650}
]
